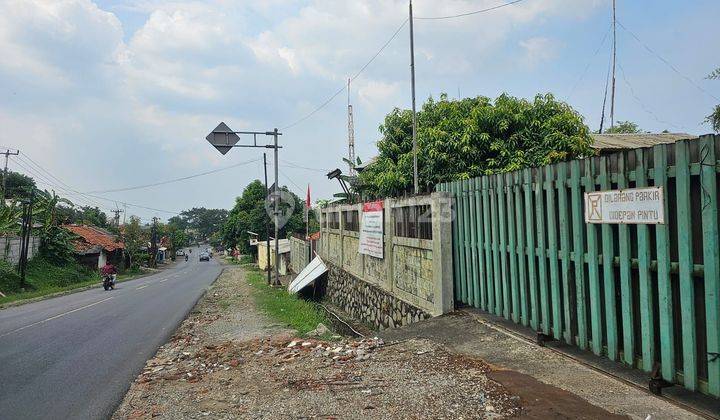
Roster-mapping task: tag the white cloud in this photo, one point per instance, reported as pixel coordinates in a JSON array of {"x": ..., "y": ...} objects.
[
  {"x": 255, "y": 64},
  {"x": 58, "y": 43},
  {"x": 539, "y": 49},
  {"x": 374, "y": 92}
]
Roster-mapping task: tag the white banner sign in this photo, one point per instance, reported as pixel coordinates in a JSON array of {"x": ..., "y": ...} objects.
[
  {"x": 630, "y": 206},
  {"x": 371, "y": 230}
]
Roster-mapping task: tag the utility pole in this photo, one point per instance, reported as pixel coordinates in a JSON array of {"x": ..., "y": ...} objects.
[
  {"x": 25, "y": 235},
  {"x": 351, "y": 134},
  {"x": 277, "y": 213},
  {"x": 7, "y": 154},
  {"x": 267, "y": 224},
  {"x": 153, "y": 241},
  {"x": 612, "y": 94},
  {"x": 414, "y": 115},
  {"x": 117, "y": 217}
]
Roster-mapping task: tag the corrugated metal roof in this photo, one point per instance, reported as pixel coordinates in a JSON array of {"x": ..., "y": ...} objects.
[{"x": 634, "y": 141}]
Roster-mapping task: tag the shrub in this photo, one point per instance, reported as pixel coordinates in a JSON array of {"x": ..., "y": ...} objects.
[{"x": 9, "y": 278}]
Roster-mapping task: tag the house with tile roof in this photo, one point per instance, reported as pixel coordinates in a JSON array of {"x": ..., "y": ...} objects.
[{"x": 94, "y": 246}]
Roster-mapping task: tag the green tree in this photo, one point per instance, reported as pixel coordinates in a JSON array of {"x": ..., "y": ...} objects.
[
  {"x": 204, "y": 221},
  {"x": 624, "y": 127},
  {"x": 178, "y": 222},
  {"x": 18, "y": 186},
  {"x": 459, "y": 139},
  {"x": 177, "y": 237},
  {"x": 249, "y": 214},
  {"x": 135, "y": 239},
  {"x": 93, "y": 216},
  {"x": 714, "y": 117}
]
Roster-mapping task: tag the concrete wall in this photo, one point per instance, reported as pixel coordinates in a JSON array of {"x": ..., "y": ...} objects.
[
  {"x": 414, "y": 280},
  {"x": 102, "y": 259},
  {"x": 299, "y": 254},
  {"x": 284, "y": 246},
  {"x": 10, "y": 248}
]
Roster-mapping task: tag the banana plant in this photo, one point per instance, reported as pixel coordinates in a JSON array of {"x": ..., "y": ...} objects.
[
  {"x": 10, "y": 215},
  {"x": 45, "y": 208}
]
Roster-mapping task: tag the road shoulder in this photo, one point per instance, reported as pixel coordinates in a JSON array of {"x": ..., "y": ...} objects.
[
  {"x": 229, "y": 360},
  {"x": 548, "y": 383}
]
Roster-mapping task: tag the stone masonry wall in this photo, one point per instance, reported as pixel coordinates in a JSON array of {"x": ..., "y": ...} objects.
[
  {"x": 368, "y": 303},
  {"x": 413, "y": 279}
]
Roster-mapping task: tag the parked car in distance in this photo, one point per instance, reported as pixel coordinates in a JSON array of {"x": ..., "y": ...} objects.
[
  {"x": 204, "y": 256},
  {"x": 180, "y": 253}
]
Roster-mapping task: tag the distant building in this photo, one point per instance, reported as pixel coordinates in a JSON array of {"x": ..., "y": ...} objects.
[
  {"x": 94, "y": 246},
  {"x": 611, "y": 143}
]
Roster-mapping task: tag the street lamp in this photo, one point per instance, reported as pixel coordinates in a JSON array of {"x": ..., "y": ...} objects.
[{"x": 224, "y": 139}]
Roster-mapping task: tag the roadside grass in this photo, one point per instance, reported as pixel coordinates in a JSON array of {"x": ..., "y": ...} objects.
[
  {"x": 244, "y": 260},
  {"x": 285, "y": 308},
  {"x": 45, "y": 278}
]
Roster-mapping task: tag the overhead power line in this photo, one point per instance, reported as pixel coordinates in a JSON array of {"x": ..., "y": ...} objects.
[
  {"x": 397, "y": 31},
  {"x": 53, "y": 180},
  {"x": 134, "y": 205},
  {"x": 589, "y": 63},
  {"x": 489, "y": 9},
  {"x": 88, "y": 196},
  {"x": 642, "y": 105},
  {"x": 666, "y": 62},
  {"x": 170, "y": 181},
  {"x": 41, "y": 178},
  {"x": 295, "y": 165},
  {"x": 341, "y": 90}
]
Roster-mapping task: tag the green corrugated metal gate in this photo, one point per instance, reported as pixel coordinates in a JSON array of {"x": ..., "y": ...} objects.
[{"x": 639, "y": 294}]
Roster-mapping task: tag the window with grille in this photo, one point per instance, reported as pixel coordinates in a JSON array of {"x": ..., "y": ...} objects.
[
  {"x": 413, "y": 221},
  {"x": 351, "y": 220},
  {"x": 333, "y": 220}
]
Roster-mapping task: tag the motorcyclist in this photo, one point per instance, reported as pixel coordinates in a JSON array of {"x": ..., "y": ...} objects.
[
  {"x": 186, "y": 257},
  {"x": 109, "y": 270}
]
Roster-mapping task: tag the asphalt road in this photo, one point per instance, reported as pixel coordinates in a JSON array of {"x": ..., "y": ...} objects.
[{"x": 75, "y": 356}]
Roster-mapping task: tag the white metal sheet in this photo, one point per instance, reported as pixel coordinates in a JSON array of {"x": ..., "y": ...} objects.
[{"x": 308, "y": 274}]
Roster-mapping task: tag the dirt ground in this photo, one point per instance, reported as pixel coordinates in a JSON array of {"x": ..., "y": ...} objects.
[{"x": 227, "y": 360}]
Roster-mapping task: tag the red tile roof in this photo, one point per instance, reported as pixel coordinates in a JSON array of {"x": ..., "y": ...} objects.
[
  {"x": 92, "y": 235},
  {"x": 315, "y": 236}
]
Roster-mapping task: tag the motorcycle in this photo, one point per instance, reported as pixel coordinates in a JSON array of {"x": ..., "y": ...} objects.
[
  {"x": 109, "y": 281},
  {"x": 186, "y": 258}
]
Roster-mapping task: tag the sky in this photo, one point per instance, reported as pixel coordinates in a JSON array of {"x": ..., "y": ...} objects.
[{"x": 109, "y": 94}]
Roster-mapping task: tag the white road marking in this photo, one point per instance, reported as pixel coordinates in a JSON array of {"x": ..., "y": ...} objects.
[
  {"x": 55, "y": 317},
  {"x": 141, "y": 287},
  {"x": 162, "y": 280}
]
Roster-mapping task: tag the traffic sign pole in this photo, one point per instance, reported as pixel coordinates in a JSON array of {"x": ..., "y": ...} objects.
[{"x": 224, "y": 139}]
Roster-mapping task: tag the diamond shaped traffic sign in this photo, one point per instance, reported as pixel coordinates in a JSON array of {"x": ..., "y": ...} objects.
[{"x": 222, "y": 138}]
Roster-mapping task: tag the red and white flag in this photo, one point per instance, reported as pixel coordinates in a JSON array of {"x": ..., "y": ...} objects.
[{"x": 307, "y": 200}]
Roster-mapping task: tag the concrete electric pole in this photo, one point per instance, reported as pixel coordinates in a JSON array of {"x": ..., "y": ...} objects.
[
  {"x": 7, "y": 154},
  {"x": 414, "y": 114}
]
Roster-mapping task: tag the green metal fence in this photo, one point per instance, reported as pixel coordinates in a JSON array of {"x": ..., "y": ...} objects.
[{"x": 643, "y": 295}]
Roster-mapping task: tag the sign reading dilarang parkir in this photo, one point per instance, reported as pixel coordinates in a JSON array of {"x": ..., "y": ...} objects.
[{"x": 628, "y": 206}]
